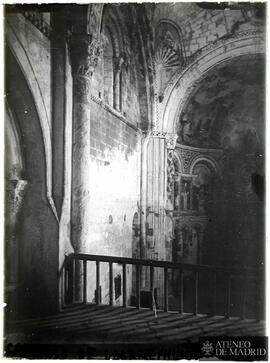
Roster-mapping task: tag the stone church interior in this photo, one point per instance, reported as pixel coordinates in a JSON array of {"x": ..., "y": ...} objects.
[{"x": 134, "y": 171}]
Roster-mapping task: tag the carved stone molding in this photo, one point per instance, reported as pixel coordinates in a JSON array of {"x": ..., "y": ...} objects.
[
  {"x": 160, "y": 134},
  {"x": 256, "y": 33}
]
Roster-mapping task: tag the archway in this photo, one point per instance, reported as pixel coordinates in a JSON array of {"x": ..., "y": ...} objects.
[
  {"x": 36, "y": 291},
  {"x": 216, "y": 105},
  {"x": 186, "y": 80}
]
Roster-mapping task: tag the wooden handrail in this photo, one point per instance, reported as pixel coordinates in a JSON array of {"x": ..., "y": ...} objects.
[
  {"x": 164, "y": 264},
  {"x": 222, "y": 273}
]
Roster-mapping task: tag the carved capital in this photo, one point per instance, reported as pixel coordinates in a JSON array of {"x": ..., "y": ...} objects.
[
  {"x": 171, "y": 141},
  {"x": 120, "y": 62},
  {"x": 84, "y": 52}
]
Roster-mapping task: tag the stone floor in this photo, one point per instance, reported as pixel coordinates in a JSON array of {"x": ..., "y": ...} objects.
[{"x": 86, "y": 324}]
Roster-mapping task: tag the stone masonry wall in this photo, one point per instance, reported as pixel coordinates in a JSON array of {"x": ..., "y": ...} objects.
[
  {"x": 200, "y": 27},
  {"x": 115, "y": 182}
]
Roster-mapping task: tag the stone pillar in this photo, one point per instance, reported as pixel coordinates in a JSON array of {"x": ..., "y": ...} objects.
[
  {"x": 159, "y": 144},
  {"x": 15, "y": 190},
  {"x": 144, "y": 149},
  {"x": 84, "y": 52}
]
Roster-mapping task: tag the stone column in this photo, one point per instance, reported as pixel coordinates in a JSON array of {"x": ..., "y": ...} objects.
[
  {"x": 84, "y": 52},
  {"x": 159, "y": 144},
  {"x": 144, "y": 149},
  {"x": 15, "y": 190}
]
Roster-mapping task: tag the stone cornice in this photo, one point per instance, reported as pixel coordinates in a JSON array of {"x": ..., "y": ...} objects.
[
  {"x": 198, "y": 149},
  {"x": 114, "y": 112}
]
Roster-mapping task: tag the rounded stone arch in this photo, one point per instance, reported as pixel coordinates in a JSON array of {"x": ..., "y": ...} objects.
[
  {"x": 177, "y": 162},
  {"x": 182, "y": 85},
  {"x": 15, "y": 47},
  {"x": 112, "y": 22},
  {"x": 198, "y": 226},
  {"x": 208, "y": 162},
  {"x": 112, "y": 30}
]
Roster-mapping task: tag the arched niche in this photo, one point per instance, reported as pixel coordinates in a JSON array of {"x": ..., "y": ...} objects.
[
  {"x": 174, "y": 33},
  {"x": 114, "y": 58},
  {"x": 203, "y": 185},
  {"x": 108, "y": 71},
  {"x": 169, "y": 53},
  {"x": 36, "y": 227}
]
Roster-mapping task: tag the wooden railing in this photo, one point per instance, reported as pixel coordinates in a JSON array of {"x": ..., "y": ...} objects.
[{"x": 216, "y": 288}]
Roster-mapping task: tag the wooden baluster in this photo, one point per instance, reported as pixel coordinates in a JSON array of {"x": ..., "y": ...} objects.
[
  {"x": 67, "y": 273},
  {"x": 124, "y": 286},
  {"x": 65, "y": 277},
  {"x": 260, "y": 283},
  {"x": 111, "y": 283},
  {"x": 181, "y": 291},
  {"x": 214, "y": 296},
  {"x": 228, "y": 297},
  {"x": 62, "y": 282},
  {"x": 138, "y": 286},
  {"x": 69, "y": 280},
  {"x": 196, "y": 273},
  {"x": 73, "y": 279},
  {"x": 85, "y": 281},
  {"x": 97, "y": 283},
  {"x": 152, "y": 286},
  {"x": 165, "y": 289},
  {"x": 244, "y": 287}
]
